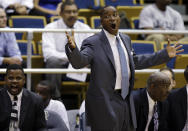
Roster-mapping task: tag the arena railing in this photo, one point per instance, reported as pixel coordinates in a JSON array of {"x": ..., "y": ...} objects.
[{"x": 30, "y": 32}]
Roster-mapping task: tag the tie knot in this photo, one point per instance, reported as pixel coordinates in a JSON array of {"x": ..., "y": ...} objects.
[{"x": 15, "y": 98}]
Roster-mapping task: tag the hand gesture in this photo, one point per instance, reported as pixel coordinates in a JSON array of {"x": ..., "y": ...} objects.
[
  {"x": 71, "y": 41},
  {"x": 173, "y": 50}
]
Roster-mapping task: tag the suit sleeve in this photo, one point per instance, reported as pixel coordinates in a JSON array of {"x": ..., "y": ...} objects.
[
  {"x": 82, "y": 58},
  {"x": 148, "y": 60}
]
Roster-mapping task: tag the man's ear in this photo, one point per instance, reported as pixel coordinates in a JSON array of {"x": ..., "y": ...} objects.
[{"x": 173, "y": 83}]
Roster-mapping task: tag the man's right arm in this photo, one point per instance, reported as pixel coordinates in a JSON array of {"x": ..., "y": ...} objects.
[{"x": 82, "y": 58}]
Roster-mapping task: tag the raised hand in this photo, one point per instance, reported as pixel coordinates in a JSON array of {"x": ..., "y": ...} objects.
[
  {"x": 173, "y": 50},
  {"x": 71, "y": 41}
]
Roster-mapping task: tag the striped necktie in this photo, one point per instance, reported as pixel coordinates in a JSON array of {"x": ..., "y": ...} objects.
[
  {"x": 14, "y": 115},
  {"x": 124, "y": 70},
  {"x": 154, "y": 123}
]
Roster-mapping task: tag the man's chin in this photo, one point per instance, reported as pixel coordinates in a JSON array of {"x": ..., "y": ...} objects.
[
  {"x": 113, "y": 31},
  {"x": 14, "y": 91}
]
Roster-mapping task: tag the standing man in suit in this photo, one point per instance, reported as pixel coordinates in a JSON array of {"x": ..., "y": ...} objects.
[
  {"x": 109, "y": 103},
  {"x": 20, "y": 109},
  {"x": 178, "y": 120},
  {"x": 156, "y": 91}
]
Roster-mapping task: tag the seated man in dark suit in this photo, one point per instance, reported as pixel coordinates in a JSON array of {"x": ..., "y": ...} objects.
[
  {"x": 151, "y": 111},
  {"x": 20, "y": 109},
  {"x": 178, "y": 107}
]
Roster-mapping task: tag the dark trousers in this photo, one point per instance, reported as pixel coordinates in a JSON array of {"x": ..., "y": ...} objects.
[{"x": 122, "y": 110}]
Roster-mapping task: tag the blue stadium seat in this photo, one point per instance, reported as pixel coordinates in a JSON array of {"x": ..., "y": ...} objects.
[
  {"x": 26, "y": 22},
  {"x": 143, "y": 47},
  {"x": 95, "y": 22},
  {"x": 89, "y": 4},
  {"x": 120, "y": 2},
  {"x": 22, "y": 44},
  {"x": 135, "y": 22}
]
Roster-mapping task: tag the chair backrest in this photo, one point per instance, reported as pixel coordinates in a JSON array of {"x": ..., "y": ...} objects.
[
  {"x": 120, "y": 2},
  {"x": 80, "y": 18},
  {"x": 143, "y": 47},
  {"x": 54, "y": 18},
  {"x": 22, "y": 44},
  {"x": 135, "y": 22},
  {"x": 54, "y": 121},
  {"x": 72, "y": 118},
  {"x": 26, "y": 22},
  {"x": 95, "y": 22},
  {"x": 181, "y": 61},
  {"x": 39, "y": 45},
  {"x": 185, "y": 46}
]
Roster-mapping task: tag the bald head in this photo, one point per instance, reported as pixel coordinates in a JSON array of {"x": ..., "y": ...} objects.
[{"x": 158, "y": 86}]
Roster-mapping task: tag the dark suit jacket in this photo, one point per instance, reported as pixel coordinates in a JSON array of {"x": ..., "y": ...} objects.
[
  {"x": 142, "y": 110},
  {"x": 177, "y": 109},
  {"x": 97, "y": 52},
  {"x": 31, "y": 114}
]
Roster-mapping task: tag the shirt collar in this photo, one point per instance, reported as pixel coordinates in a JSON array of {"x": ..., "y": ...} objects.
[
  {"x": 150, "y": 100},
  {"x": 19, "y": 95},
  {"x": 187, "y": 88},
  {"x": 110, "y": 35}
]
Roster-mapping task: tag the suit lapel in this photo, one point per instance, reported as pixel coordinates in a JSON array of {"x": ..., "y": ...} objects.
[
  {"x": 24, "y": 107},
  {"x": 107, "y": 48},
  {"x": 7, "y": 101},
  {"x": 145, "y": 105}
]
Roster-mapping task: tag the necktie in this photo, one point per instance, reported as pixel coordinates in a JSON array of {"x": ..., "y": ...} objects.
[
  {"x": 154, "y": 123},
  {"x": 155, "y": 117},
  {"x": 124, "y": 70},
  {"x": 14, "y": 115}
]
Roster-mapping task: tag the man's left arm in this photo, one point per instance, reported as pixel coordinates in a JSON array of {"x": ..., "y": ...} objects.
[{"x": 162, "y": 56}]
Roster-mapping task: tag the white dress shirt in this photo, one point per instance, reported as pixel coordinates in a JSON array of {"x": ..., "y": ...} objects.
[
  {"x": 60, "y": 109},
  {"x": 18, "y": 104},
  {"x": 53, "y": 44},
  {"x": 151, "y": 104},
  {"x": 112, "y": 41}
]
